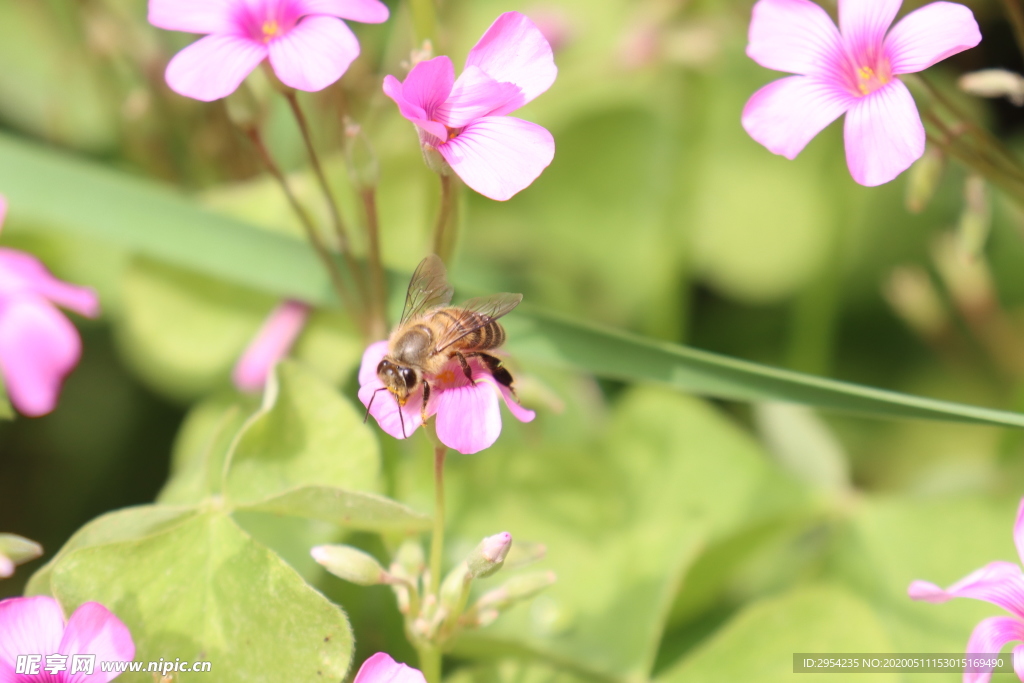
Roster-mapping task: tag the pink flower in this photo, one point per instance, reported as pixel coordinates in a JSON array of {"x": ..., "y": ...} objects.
[
  {"x": 1000, "y": 583},
  {"x": 853, "y": 71},
  {"x": 38, "y": 345},
  {"x": 36, "y": 626},
  {"x": 465, "y": 120},
  {"x": 468, "y": 413},
  {"x": 380, "y": 668},
  {"x": 308, "y": 46},
  {"x": 271, "y": 344}
]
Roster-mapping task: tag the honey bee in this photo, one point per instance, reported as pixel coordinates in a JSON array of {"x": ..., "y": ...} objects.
[{"x": 431, "y": 333}]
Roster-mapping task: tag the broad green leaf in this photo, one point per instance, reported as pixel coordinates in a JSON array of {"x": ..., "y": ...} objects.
[
  {"x": 351, "y": 509},
  {"x": 514, "y": 671},
  {"x": 121, "y": 525},
  {"x": 803, "y": 445},
  {"x": 201, "y": 448},
  {"x": 78, "y": 197},
  {"x": 623, "y": 517},
  {"x": 205, "y": 590},
  {"x": 305, "y": 434},
  {"x": 759, "y": 643}
]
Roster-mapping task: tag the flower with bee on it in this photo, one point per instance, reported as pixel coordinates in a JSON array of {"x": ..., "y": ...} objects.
[{"x": 439, "y": 361}]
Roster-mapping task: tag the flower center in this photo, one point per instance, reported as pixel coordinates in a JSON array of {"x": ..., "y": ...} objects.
[
  {"x": 270, "y": 29},
  {"x": 869, "y": 79}
]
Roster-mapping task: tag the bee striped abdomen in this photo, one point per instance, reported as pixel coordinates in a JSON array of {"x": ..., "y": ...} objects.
[{"x": 487, "y": 335}]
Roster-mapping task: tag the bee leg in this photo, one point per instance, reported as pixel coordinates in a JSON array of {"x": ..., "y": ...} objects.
[
  {"x": 465, "y": 365},
  {"x": 426, "y": 399},
  {"x": 497, "y": 369}
]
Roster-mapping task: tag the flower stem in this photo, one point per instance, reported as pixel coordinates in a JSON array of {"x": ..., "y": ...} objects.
[
  {"x": 437, "y": 539},
  {"x": 424, "y": 20},
  {"x": 318, "y": 170},
  {"x": 378, "y": 283},
  {"x": 444, "y": 229},
  {"x": 1016, "y": 14},
  {"x": 307, "y": 223},
  {"x": 430, "y": 662}
]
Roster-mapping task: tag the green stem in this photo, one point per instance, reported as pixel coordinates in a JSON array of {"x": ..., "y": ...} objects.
[
  {"x": 325, "y": 188},
  {"x": 378, "y": 282},
  {"x": 430, "y": 662},
  {"x": 1013, "y": 9},
  {"x": 307, "y": 223},
  {"x": 424, "y": 20},
  {"x": 437, "y": 539},
  {"x": 444, "y": 229}
]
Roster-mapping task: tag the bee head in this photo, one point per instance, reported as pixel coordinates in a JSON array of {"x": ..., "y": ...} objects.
[{"x": 399, "y": 379}]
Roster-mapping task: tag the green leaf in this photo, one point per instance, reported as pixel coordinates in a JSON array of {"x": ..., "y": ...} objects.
[
  {"x": 78, "y": 197},
  {"x": 513, "y": 671},
  {"x": 201, "y": 448},
  {"x": 121, "y": 525},
  {"x": 759, "y": 643},
  {"x": 6, "y": 411},
  {"x": 19, "y": 549},
  {"x": 305, "y": 434},
  {"x": 624, "y": 517},
  {"x": 354, "y": 510},
  {"x": 204, "y": 590}
]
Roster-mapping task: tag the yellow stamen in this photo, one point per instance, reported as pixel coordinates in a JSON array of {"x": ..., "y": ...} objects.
[{"x": 270, "y": 29}]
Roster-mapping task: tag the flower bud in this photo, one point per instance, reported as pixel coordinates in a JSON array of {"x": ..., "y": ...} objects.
[
  {"x": 350, "y": 564},
  {"x": 15, "y": 550},
  {"x": 915, "y": 299},
  {"x": 453, "y": 586},
  {"x": 516, "y": 589},
  {"x": 923, "y": 179},
  {"x": 994, "y": 83},
  {"x": 489, "y": 556},
  {"x": 409, "y": 560}
]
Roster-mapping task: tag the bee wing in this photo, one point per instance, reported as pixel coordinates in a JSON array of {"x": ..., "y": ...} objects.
[
  {"x": 428, "y": 288},
  {"x": 477, "y": 313}
]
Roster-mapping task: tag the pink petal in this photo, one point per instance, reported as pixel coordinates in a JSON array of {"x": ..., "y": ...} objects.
[
  {"x": 498, "y": 156},
  {"x": 363, "y": 11},
  {"x": 785, "y": 114},
  {"x": 21, "y": 272},
  {"x": 1018, "y": 531},
  {"x": 384, "y": 408},
  {"x": 413, "y": 112},
  {"x": 380, "y": 668},
  {"x": 468, "y": 417},
  {"x": 30, "y": 626},
  {"x": 513, "y": 50},
  {"x": 520, "y": 413},
  {"x": 428, "y": 84},
  {"x": 213, "y": 67},
  {"x": 314, "y": 54},
  {"x": 38, "y": 348},
  {"x": 863, "y": 24},
  {"x": 193, "y": 16},
  {"x": 883, "y": 134},
  {"x": 475, "y": 95},
  {"x": 92, "y": 629},
  {"x": 6, "y": 567},
  {"x": 1018, "y": 661},
  {"x": 999, "y": 583},
  {"x": 796, "y": 36},
  {"x": 989, "y": 637},
  {"x": 271, "y": 344},
  {"x": 372, "y": 357},
  {"x": 929, "y": 35}
]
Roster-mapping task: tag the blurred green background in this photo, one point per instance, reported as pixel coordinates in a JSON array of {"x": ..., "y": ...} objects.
[{"x": 659, "y": 215}]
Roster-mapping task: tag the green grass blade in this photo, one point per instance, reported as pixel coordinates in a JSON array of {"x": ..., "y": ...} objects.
[{"x": 78, "y": 197}]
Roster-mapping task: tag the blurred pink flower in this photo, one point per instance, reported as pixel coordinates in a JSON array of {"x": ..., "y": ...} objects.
[
  {"x": 465, "y": 120},
  {"x": 853, "y": 71},
  {"x": 38, "y": 345},
  {"x": 468, "y": 413},
  {"x": 380, "y": 668},
  {"x": 1000, "y": 583},
  {"x": 308, "y": 45},
  {"x": 271, "y": 344},
  {"x": 36, "y": 626}
]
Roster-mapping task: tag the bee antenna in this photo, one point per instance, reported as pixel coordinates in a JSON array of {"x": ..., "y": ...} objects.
[
  {"x": 401, "y": 417},
  {"x": 370, "y": 404}
]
